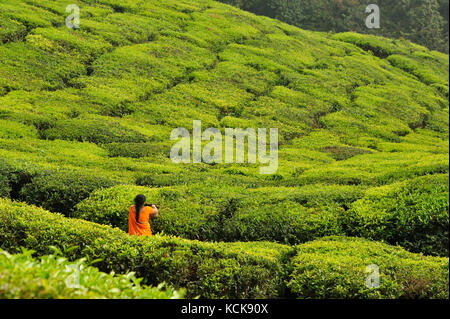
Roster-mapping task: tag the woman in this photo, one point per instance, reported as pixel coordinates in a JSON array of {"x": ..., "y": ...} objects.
[{"x": 140, "y": 214}]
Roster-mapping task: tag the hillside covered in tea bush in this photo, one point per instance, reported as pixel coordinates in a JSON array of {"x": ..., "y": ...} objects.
[{"x": 85, "y": 121}]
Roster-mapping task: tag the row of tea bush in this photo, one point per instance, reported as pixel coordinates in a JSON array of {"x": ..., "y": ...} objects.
[
  {"x": 412, "y": 213},
  {"x": 54, "y": 277},
  {"x": 333, "y": 267}
]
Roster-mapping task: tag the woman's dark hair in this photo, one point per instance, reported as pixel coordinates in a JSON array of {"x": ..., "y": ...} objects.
[{"x": 139, "y": 201}]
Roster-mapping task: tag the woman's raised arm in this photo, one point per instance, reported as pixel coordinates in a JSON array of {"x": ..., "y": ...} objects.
[{"x": 155, "y": 212}]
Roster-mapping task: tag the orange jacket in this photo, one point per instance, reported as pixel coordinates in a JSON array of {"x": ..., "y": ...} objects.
[{"x": 143, "y": 227}]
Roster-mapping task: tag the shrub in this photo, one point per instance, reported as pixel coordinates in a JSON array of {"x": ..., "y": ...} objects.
[
  {"x": 341, "y": 153},
  {"x": 185, "y": 212},
  {"x": 414, "y": 68},
  {"x": 13, "y": 176},
  {"x": 119, "y": 29},
  {"x": 28, "y": 14},
  {"x": 284, "y": 222},
  {"x": 186, "y": 60},
  {"x": 336, "y": 267},
  {"x": 413, "y": 214},
  {"x": 26, "y": 67},
  {"x": 206, "y": 212},
  {"x": 377, "y": 45},
  {"x": 326, "y": 268},
  {"x": 5, "y": 189},
  {"x": 11, "y": 30},
  {"x": 204, "y": 269},
  {"x": 192, "y": 176},
  {"x": 94, "y": 131},
  {"x": 14, "y": 130},
  {"x": 60, "y": 191},
  {"x": 84, "y": 46},
  {"x": 137, "y": 150},
  {"x": 51, "y": 276}
]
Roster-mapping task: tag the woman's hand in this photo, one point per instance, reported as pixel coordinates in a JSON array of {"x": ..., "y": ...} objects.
[{"x": 155, "y": 211}]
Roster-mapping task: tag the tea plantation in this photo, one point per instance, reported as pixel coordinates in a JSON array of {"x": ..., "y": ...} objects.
[{"x": 86, "y": 116}]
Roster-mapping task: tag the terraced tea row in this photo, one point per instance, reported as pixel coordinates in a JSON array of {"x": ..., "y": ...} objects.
[{"x": 328, "y": 268}]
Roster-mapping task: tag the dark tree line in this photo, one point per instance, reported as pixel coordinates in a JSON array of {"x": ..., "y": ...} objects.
[{"x": 422, "y": 21}]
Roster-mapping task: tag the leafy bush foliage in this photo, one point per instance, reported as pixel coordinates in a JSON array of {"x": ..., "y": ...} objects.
[
  {"x": 14, "y": 130},
  {"x": 343, "y": 153},
  {"x": 14, "y": 176},
  {"x": 413, "y": 214},
  {"x": 26, "y": 67},
  {"x": 94, "y": 131},
  {"x": 234, "y": 270},
  {"x": 51, "y": 276},
  {"x": 87, "y": 114},
  {"x": 60, "y": 191},
  {"x": 205, "y": 212},
  {"x": 289, "y": 215},
  {"x": 337, "y": 268},
  {"x": 205, "y": 269},
  {"x": 11, "y": 30},
  {"x": 137, "y": 150}
]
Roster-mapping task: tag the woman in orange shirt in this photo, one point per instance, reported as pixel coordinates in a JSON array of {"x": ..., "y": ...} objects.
[{"x": 138, "y": 223}]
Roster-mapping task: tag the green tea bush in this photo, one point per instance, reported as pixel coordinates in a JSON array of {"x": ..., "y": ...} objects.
[
  {"x": 28, "y": 14},
  {"x": 334, "y": 265},
  {"x": 138, "y": 150},
  {"x": 94, "y": 130},
  {"x": 285, "y": 222},
  {"x": 60, "y": 191},
  {"x": 336, "y": 268},
  {"x": 43, "y": 109},
  {"x": 27, "y": 67},
  {"x": 412, "y": 67},
  {"x": 333, "y": 175},
  {"x": 165, "y": 60},
  {"x": 341, "y": 153},
  {"x": 413, "y": 214},
  {"x": 54, "y": 277},
  {"x": 190, "y": 176},
  {"x": 11, "y": 31},
  {"x": 429, "y": 165},
  {"x": 120, "y": 29},
  {"x": 380, "y": 47},
  {"x": 81, "y": 110},
  {"x": 14, "y": 130},
  {"x": 380, "y": 168},
  {"x": 287, "y": 215},
  {"x": 442, "y": 88},
  {"x": 204, "y": 269},
  {"x": 185, "y": 212},
  {"x": 82, "y": 46},
  {"x": 5, "y": 189},
  {"x": 57, "y": 189},
  {"x": 206, "y": 212},
  {"x": 171, "y": 179},
  {"x": 14, "y": 176}
]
